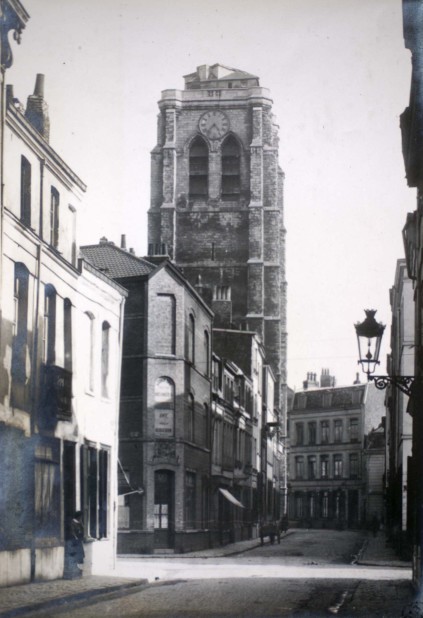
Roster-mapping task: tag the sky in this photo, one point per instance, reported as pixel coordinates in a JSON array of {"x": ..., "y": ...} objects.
[{"x": 339, "y": 76}]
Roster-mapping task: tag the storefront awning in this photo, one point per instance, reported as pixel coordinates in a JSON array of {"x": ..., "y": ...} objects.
[{"x": 230, "y": 497}]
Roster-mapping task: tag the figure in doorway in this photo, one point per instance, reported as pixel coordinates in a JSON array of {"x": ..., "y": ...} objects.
[{"x": 74, "y": 547}]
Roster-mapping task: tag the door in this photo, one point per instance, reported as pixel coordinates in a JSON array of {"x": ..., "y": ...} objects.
[{"x": 163, "y": 509}]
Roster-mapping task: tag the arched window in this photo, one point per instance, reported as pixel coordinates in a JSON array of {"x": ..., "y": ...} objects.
[
  {"x": 49, "y": 331},
  {"x": 25, "y": 191},
  {"x": 164, "y": 407},
  {"x": 191, "y": 338},
  {"x": 231, "y": 180},
  {"x": 105, "y": 343},
  {"x": 198, "y": 169}
]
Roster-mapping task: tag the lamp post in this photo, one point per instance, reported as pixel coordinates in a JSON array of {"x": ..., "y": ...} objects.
[{"x": 369, "y": 337}]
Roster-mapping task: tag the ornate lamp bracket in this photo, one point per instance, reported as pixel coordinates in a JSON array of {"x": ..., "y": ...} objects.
[{"x": 403, "y": 383}]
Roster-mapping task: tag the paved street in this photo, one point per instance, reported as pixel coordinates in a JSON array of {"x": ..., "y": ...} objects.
[{"x": 308, "y": 574}]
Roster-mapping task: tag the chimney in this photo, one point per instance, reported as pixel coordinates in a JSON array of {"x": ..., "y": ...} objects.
[
  {"x": 123, "y": 241},
  {"x": 326, "y": 380},
  {"x": 357, "y": 379},
  {"x": 310, "y": 381},
  {"x": 37, "y": 109},
  {"x": 132, "y": 251},
  {"x": 203, "y": 72}
]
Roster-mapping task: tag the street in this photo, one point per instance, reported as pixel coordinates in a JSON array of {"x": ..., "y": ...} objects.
[{"x": 308, "y": 574}]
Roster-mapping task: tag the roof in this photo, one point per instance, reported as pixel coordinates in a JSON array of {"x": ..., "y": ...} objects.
[
  {"x": 326, "y": 398},
  {"x": 116, "y": 262},
  {"x": 218, "y": 72}
]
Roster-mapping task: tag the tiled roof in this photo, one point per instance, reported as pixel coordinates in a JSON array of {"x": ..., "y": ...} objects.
[
  {"x": 335, "y": 397},
  {"x": 116, "y": 262}
]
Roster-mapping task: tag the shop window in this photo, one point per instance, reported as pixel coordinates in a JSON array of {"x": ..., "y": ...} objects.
[{"x": 94, "y": 490}]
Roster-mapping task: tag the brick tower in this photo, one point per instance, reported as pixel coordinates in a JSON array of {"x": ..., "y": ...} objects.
[{"x": 217, "y": 202}]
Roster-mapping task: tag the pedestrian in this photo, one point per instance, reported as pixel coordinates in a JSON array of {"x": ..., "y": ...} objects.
[{"x": 74, "y": 548}]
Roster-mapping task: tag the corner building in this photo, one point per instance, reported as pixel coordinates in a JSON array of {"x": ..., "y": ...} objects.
[{"x": 217, "y": 202}]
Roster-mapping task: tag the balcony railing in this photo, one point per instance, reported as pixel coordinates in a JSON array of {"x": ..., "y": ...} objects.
[{"x": 56, "y": 394}]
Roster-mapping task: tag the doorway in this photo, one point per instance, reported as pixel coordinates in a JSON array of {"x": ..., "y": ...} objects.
[{"x": 164, "y": 483}]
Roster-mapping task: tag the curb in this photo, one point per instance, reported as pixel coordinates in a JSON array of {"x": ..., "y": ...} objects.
[{"x": 78, "y": 597}]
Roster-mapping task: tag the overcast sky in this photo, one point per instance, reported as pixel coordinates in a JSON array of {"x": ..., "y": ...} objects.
[{"x": 339, "y": 76}]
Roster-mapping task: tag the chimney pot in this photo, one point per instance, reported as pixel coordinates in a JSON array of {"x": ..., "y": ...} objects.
[
  {"x": 123, "y": 241},
  {"x": 39, "y": 86}
]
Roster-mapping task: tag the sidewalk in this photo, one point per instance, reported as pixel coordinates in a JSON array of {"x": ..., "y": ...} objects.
[
  {"x": 25, "y": 598},
  {"x": 376, "y": 551}
]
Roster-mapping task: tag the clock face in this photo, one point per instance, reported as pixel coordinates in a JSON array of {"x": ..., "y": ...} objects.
[{"x": 214, "y": 124}]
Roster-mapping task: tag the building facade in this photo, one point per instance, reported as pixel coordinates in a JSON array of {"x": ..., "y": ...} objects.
[
  {"x": 165, "y": 420},
  {"x": 327, "y": 429},
  {"x": 217, "y": 203},
  {"x": 398, "y": 422},
  {"x": 58, "y": 391}
]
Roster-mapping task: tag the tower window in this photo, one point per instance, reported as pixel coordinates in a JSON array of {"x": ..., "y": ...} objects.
[
  {"x": 231, "y": 180},
  {"x": 198, "y": 169}
]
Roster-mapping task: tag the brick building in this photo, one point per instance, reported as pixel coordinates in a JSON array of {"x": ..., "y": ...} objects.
[
  {"x": 164, "y": 433},
  {"x": 217, "y": 203},
  {"x": 327, "y": 472}
]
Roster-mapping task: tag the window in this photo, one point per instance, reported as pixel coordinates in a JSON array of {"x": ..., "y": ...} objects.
[
  {"x": 353, "y": 429},
  {"x": 190, "y": 419},
  {"x": 190, "y": 510},
  {"x": 25, "y": 191},
  {"x": 337, "y": 466},
  {"x": 166, "y": 334},
  {"x": 299, "y": 428},
  {"x": 324, "y": 432},
  {"x": 217, "y": 375},
  {"x": 67, "y": 333},
  {"x": 191, "y": 338},
  {"x": 54, "y": 218},
  {"x": 164, "y": 407},
  {"x": 222, "y": 292},
  {"x": 49, "y": 330},
  {"x": 338, "y": 431},
  {"x": 89, "y": 322},
  {"x": 198, "y": 169},
  {"x": 312, "y": 433},
  {"x": 47, "y": 488},
  {"x": 230, "y": 169},
  {"x": 206, "y": 352},
  {"x": 312, "y": 467},
  {"x": 299, "y": 467},
  {"x": 354, "y": 466},
  {"x": 20, "y": 324},
  {"x": 105, "y": 343},
  {"x": 324, "y": 467}
]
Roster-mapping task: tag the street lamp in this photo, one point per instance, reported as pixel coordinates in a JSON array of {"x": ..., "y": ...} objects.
[{"x": 369, "y": 337}]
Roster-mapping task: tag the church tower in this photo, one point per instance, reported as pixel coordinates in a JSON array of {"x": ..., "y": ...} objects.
[{"x": 217, "y": 202}]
